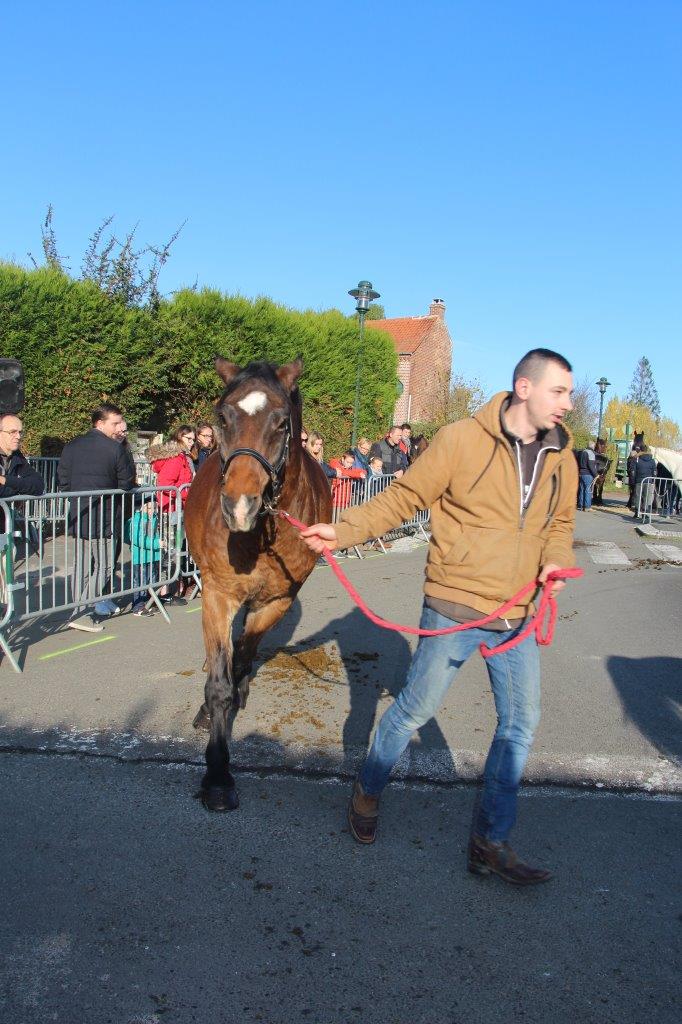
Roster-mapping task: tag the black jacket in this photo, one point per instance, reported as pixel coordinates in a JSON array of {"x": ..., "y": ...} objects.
[
  {"x": 20, "y": 478},
  {"x": 646, "y": 466},
  {"x": 94, "y": 462},
  {"x": 587, "y": 462}
]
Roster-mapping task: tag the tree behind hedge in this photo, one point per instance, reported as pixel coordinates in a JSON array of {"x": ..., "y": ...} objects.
[{"x": 79, "y": 347}]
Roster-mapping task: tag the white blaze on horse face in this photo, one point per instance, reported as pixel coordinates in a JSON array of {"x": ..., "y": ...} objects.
[
  {"x": 253, "y": 402},
  {"x": 240, "y": 513}
]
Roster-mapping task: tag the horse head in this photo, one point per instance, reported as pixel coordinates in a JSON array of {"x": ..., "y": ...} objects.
[{"x": 258, "y": 414}]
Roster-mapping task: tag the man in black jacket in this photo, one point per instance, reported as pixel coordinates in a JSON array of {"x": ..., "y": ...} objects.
[
  {"x": 16, "y": 475},
  {"x": 96, "y": 461},
  {"x": 587, "y": 472},
  {"x": 388, "y": 449},
  {"x": 645, "y": 487}
]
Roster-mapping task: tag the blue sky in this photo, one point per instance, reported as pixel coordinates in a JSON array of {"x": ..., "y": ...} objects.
[{"x": 520, "y": 159}]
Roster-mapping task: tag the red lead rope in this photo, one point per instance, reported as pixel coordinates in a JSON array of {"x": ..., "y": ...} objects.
[{"x": 542, "y": 623}]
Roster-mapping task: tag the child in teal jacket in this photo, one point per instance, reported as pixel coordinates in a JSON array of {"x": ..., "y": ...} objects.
[{"x": 146, "y": 549}]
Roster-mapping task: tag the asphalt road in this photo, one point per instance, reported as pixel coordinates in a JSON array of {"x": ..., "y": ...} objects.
[
  {"x": 611, "y": 681},
  {"x": 125, "y": 902}
]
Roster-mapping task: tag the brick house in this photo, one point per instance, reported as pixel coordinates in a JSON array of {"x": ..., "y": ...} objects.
[{"x": 424, "y": 350}]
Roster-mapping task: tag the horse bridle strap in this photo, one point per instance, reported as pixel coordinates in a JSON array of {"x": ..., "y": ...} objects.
[{"x": 276, "y": 472}]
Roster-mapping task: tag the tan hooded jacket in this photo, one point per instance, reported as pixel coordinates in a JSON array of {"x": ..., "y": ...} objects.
[{"x": 484, "y": 544}]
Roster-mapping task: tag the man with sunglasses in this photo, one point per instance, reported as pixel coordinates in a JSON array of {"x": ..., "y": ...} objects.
[{"x": 16, "y": 475}]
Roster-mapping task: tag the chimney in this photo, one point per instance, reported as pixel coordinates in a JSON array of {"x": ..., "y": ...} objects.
[{"x": 437, "y": 308}]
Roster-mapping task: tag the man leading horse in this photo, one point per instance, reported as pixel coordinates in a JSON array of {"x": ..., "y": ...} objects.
[{"x": 501, "y": 487}]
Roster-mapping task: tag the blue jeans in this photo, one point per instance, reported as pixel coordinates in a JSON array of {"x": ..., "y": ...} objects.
[
  {"x": 515, "y": 681},
  {"x": 142, "y": 575},
  {"x": 585, "y": 490}
]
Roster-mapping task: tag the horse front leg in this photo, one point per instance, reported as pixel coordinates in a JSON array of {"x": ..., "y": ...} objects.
[
  {"x": 218, "y": 791},
  {"x": 259, "y": 619}
]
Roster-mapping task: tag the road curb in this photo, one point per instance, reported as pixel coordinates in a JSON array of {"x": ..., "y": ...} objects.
[{"x": 442, "y": 766}]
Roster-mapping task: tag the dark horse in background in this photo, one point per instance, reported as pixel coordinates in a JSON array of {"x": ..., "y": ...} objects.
[
  {"x": 247, "y": 554},
  {"x": 418, "y": 447}
]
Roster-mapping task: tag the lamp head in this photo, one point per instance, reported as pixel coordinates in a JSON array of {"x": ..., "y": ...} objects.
[{"x": 363, "y": 295}]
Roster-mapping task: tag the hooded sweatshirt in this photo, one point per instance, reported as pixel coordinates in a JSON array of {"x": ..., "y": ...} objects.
[{"x": 500, "y": 510}]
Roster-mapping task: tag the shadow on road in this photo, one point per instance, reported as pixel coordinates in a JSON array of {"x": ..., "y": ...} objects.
[
  {"x": 376, "y": 663},
  {"x": 650, "y": 691}
]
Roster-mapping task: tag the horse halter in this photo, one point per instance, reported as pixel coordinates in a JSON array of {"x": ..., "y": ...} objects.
[{"x": 276, "y": 472}]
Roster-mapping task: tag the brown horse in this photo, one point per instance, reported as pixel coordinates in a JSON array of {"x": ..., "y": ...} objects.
[
  {"x": 418, "y": 447},
  {"x": 248, "y": 555}
]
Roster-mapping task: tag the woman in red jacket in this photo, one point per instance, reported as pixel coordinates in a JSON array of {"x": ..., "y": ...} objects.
[
  {"x": 172, "y": 463},
  {"x": 344, "y": 490}
]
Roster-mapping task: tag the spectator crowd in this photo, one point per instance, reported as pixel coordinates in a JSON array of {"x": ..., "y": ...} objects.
[{"x": 101, "y": 460}]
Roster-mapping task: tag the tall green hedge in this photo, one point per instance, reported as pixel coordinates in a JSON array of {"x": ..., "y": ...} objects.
[{"x": 79, "y": 347}]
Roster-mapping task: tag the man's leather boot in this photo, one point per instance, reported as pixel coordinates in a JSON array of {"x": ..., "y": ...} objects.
[
  {"x": 486, "y": 857},
  {"x": 363, "y": 815}
]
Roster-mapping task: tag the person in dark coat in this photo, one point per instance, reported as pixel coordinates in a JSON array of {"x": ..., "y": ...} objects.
[
  {"x": 644, "y": 492},
  {"x": 361, "y": 454},
  {"x": 393, "y": 458},
  {"x": 17, "y": 476},
  {"x": 96, "y": 461},
  {"x": 587, "y": 473}
]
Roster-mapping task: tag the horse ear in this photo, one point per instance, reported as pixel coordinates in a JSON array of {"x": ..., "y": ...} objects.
[
  {"x": 289, "y": 373},
  {"x": 225, "y": 369}
]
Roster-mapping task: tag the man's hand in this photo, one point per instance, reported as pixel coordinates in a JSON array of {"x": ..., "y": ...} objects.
[
  {"x": 319, "y": 536},
  {"x": 3, "y": 480},
  {"x": 546, "y": 570}
]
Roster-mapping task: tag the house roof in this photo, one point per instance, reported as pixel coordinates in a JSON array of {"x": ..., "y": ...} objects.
[{"x": 408, "y": 332}]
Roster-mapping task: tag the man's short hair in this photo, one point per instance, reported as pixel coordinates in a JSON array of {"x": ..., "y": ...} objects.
[
  {"x": 405, "y": 426},
  {"x": 103, "y": 412},
  {"x": 349, "y": 453},
  {"x": 534, "y": 363},
  {"x": 396, "y": 426}
]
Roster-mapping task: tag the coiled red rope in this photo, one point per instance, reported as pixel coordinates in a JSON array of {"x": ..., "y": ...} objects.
[{"x": 542, "y": 623}]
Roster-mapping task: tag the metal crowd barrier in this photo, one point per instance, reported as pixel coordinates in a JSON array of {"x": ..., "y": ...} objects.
[
  {"x": 658, "y": 496},
  {"x": 144, "y": 474},
  {"x": 348, "y": 493},
  {"x": 189, "y": 570},
  {"x": 47, "y": 467},
  {"x": 94, "y": 548},
  {"x": 65, "y": 552},
  {"x": 50, "y": 504}
]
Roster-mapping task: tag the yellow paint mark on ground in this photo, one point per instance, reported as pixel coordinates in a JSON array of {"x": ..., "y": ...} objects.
[{"x": 76, "y": 647}]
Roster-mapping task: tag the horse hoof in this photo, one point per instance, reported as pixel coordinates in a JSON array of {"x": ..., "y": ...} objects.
[
  {"x": 202, "y": 719},
  {"x": 220, "y": 798}
]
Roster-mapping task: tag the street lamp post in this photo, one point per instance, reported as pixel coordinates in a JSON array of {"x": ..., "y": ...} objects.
[
  {"x": 602, "y": 384},
  {"x": 363, "y": 295}
]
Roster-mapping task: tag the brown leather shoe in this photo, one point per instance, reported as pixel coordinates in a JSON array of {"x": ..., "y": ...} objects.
[
  {"x": 485, "y": 857},
  {"x": 363, "y": 815}
]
